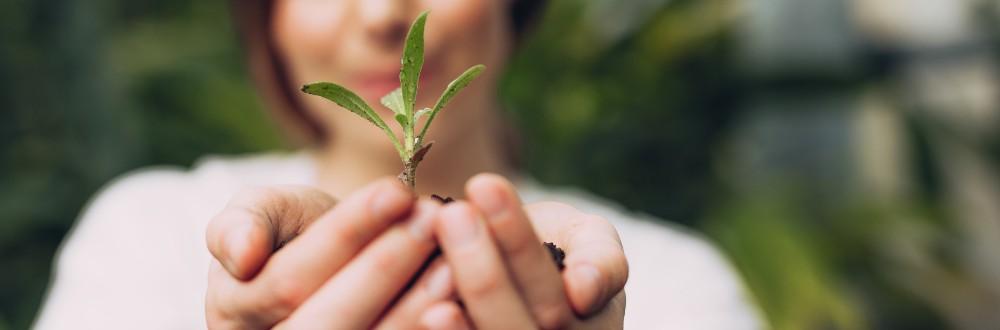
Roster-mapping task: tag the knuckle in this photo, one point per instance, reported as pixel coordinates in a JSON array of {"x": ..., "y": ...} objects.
[
  {"x": 551, "y": 316},
  {"x": 383, "y": 261},
  {"x": 348, "y": 236},
  {"x": 219, "y": 315},
  {"x": 520, "y": 245},
  {"x": 285, "y": 295},
  {"x": 485, "y": 285}
]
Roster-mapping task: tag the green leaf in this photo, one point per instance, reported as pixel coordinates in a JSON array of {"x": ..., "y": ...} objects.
[
  {"x": 401, "y": 119},
  {"x": 352, "y": 102},
  {"x": 394, "y": 101},
  {"x": 412, "y": 62},
  {"x": 345, "y": 98},
  {"x": 453, "y": 88},
  {"x": 420, "y": 113}
]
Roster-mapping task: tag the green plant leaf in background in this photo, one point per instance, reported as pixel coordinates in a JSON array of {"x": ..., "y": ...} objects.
[{"x": 453, "y": 88}]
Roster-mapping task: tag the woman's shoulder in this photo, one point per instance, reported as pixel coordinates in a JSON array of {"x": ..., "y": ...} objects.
[
  {"x": 147, "y": 226},
  {"x": 676, "y": 275},
  {"x": 212, "y": 174},
  {"x": 167, "y": 203},
  {"x": 155, "y": 197}
]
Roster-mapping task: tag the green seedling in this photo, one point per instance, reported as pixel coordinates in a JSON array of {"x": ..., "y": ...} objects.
[{"x": 411, "y": 146}]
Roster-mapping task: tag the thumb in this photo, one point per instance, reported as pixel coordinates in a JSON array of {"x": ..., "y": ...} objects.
[
  {"x": 596, "y": 268},
  {"x": 257, "y": 221}
]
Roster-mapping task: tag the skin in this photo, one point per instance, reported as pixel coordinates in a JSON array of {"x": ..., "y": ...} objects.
[{"x": 341, "y": 254}]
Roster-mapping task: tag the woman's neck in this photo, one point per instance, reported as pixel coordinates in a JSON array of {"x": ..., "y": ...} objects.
[{"x": 344, "y": 167}]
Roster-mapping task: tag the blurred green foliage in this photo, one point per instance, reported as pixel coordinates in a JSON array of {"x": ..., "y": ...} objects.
[
  {"x": 91, "y": 89},
  {"x": 650, "y": 103}
]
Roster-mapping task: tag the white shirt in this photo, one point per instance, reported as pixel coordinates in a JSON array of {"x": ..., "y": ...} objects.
[{"x": 136, "y": 258}]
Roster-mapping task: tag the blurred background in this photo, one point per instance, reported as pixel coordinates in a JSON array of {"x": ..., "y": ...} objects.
[{"x": 845, "y": 154}]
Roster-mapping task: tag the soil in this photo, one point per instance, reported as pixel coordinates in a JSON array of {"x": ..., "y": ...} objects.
[{"x": 558, "y": 255}]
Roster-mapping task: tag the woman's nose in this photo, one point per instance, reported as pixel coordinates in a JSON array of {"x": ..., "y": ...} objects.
[{"x": 384, "y": 21}]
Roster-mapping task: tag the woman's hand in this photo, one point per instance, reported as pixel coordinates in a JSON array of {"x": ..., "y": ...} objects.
[
  {"x": 347, "y": 263},
  {"x": 342, "y": 273},
  {"x": 505, "y": 277}
]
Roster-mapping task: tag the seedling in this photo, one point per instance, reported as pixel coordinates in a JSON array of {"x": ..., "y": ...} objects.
[{"x": 411, "y": 146}]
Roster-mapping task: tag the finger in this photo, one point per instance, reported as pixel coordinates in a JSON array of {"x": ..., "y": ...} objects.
[
  {"x": 435, "y": 285},
  {"x": 596, "y": 268},
  {"x": 446, "y": 315},
  {"x": 257, "y": 220},
  {"x": 612, "y": 316},
  {"x": 219, "y": 284},
  {"x": 479, "y": 272},
  {"x": 362, "y": 290},
  {"x": 294, "y": 272},
  {"x": 530, "y": 264}
]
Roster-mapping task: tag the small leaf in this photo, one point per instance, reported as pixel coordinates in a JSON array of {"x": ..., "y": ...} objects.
[
  {"x": 412, "y": 62},
  {"x": 421, "y": 113},
  {"x": 401, "y": 119},
  {"x": 394, "y": 101},
  {"x": 353, "y": 103},
  {"x": 346, "y": 99},
  {"x": 458, "y": 84},
  {"x": 419, "y": 155},
  {"x": 453, "y": 88}
]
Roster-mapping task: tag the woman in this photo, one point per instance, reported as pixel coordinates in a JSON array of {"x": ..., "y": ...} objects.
[{"x": 137, "y": 260}]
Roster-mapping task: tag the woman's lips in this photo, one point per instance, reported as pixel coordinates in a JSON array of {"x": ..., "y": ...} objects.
[{"x": 372, "y": 86}]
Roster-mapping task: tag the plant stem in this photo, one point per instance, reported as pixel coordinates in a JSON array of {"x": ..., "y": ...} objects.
[
  {"x": 410, "y": 162},
  {"x": 409, "y": 174}
]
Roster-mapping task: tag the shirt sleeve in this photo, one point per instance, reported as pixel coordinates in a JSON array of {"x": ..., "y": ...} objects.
[
  {"x": 126, "y": 263},
  {"x": 678, "y": 280}
]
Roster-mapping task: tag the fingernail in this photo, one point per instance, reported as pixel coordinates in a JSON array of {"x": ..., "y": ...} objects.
[
  {"x": 434, "y": 319},
  {"x": 492, "y": 201},
  {"x": 386, "y": 200},
  {"x": 421, "y": 226},
  {"x": 461, "y": 225},
  {"x": 237, "y": 242},
  {"x": 439, "y": 317},
  {"x": 439, "y": 284},
  {"x": 587, "y": 279}
]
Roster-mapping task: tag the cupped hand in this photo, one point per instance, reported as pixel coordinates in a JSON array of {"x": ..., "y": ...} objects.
[
  {"x": 506, "y": 279},
  {"x": 347, "y": 263}
]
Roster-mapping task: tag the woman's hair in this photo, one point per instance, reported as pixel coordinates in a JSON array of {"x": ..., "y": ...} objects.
[{"x": 253, "y": 21}]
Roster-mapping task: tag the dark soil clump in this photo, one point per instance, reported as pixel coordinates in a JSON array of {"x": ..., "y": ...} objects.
[
  {"x": 442, "y": 200},
  {"x": 558, "y": 255}
]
